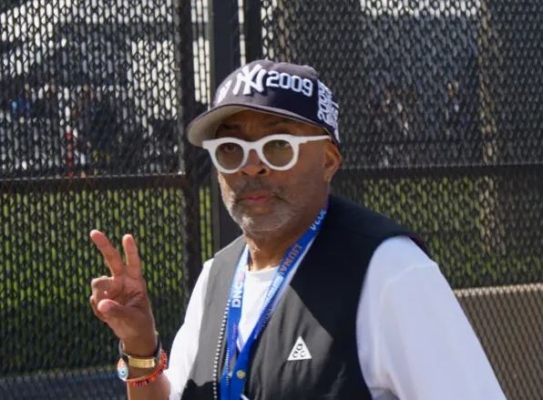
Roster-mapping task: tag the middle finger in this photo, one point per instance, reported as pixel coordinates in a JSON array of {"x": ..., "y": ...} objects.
[{"x": 111, "y": 256}]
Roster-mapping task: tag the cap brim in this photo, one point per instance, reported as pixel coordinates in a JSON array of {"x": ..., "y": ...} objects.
[{"x": 205, "y": 126}]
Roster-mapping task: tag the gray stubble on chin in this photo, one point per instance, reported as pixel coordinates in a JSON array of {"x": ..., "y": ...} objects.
[{"x": 263, "y": 223}]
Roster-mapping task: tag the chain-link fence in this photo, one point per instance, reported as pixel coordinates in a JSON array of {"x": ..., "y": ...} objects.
[
  {"x": 94, "y": 95},
  {"x": 441, "y": 127},
  {"x": 441, "y": 121}
]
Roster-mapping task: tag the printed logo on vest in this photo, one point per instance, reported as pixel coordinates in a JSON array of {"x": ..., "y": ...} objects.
[{"x": 299, "y": 351}]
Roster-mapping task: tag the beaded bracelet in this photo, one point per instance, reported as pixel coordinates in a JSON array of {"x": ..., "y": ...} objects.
[{"x": 122, "y": 370}]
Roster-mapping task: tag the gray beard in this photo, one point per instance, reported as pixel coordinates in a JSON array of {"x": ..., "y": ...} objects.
[
  {"x": 273, "y": 222},
  {"x": 280, "y": 217}
]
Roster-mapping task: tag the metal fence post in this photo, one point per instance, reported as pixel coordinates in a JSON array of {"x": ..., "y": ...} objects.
[
  {"x": 224, "y": 58},
  {"x": 252, "y": 29},
  {"x": 188, "y": 156}
]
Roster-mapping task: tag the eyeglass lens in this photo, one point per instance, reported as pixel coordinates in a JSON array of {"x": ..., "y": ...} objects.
[{"x": 278, "y": 153}]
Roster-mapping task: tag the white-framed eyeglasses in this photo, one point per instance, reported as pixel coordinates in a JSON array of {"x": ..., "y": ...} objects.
[{"x": 279, "y": 151}]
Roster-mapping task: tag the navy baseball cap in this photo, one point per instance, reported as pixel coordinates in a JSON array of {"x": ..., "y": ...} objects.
[{"x": 284, "y": 89}]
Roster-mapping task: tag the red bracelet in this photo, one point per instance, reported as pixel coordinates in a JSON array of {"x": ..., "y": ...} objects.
[{"x": 146, "y": 379}]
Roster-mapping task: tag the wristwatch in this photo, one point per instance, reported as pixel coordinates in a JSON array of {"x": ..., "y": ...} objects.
[{"x": 141, "y": 362}]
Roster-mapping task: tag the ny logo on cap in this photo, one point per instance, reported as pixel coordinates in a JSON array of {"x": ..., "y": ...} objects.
[
  {"x": 257, "y": 79},
  {"x": 251, "y": 79}
]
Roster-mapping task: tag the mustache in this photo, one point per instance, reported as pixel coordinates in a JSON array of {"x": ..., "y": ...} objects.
[{"x": 252, "y": 186}]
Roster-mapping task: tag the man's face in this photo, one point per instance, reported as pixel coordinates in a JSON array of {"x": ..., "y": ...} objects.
[{"x": 262, "y": 200}]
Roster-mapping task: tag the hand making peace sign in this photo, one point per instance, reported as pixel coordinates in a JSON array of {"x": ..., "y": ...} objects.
[{"x": 121, "y": 300}]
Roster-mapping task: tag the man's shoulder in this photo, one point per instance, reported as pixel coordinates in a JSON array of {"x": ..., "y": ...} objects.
[
  {"x": 401, "y": 252},
  {"x": 357, "y": 221},
  {"x": 355, "y": 217}
]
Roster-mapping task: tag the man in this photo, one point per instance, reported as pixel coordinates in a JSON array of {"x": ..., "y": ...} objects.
[{"x": 319, "y": 298}]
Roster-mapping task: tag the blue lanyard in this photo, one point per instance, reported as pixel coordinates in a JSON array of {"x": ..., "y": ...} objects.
[{"x": 233, "y": 379}]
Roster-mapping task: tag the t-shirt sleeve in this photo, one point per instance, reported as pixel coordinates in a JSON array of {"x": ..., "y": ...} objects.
[
  {"x": 185, "y": 344},
  {"x": 414, "y": 340}
]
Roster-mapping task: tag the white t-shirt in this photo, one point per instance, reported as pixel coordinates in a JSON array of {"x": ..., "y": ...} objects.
[{"x": 414, "y": 341}]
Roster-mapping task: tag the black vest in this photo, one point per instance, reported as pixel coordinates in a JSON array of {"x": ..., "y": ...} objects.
[{"x": 319, "y": 305}]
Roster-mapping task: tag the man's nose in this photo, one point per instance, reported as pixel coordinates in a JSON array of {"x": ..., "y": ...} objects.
[{"x": 254, "y": 165}]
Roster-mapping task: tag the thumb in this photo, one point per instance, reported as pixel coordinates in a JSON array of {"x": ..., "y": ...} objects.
[{"x": 126, "y": 322}]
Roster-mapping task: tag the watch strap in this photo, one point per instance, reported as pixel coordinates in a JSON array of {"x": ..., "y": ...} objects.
[{"x": 141, "y": 362}]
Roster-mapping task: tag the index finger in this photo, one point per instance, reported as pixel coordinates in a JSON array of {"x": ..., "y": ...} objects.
[{"x": 111, "y": 256}]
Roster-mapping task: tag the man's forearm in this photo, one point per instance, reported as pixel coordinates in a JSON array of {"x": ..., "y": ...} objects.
[{"x": 157, "y": 390}]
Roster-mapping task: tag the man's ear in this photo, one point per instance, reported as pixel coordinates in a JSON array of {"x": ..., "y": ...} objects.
[{"x": 332, "y": 161}]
